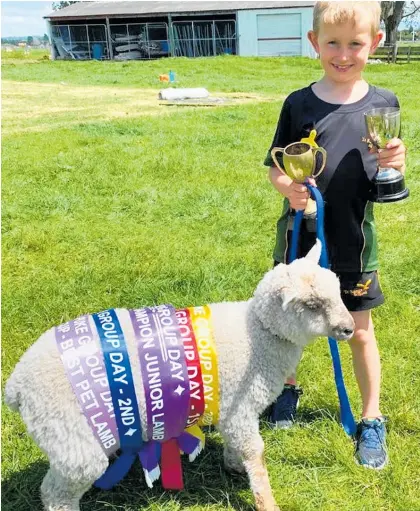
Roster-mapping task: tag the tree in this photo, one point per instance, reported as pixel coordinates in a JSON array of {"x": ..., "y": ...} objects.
[
  {"x": 30, "y": 40},
  {"x": 392, "y": 13},
  {"x": 60, "y": 5},
  {"x": 46, "y": 39}
]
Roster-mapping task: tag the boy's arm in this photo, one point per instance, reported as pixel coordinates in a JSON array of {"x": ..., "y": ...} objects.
[
  {"x": 296, "y": 193},
  {"x": 279, "y": 180}
]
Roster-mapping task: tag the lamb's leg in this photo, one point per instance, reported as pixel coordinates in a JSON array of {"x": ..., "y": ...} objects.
[
  {"x": 244, "y": 440},
  {"x": 253, "y": 455},
  {"x": 76, "y": 462},
  {"x": 232, "y": 460},
  {"x": 61, "y": 493}
]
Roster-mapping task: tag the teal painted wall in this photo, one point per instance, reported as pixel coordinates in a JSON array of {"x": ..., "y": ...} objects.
[{"x": 260, "y": 32}]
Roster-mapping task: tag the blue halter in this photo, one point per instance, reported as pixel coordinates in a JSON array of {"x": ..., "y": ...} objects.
[{"x": 346, "y": 414}]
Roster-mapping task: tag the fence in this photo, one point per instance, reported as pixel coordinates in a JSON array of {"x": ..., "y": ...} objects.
[
  {"x": 204, "y": 38},
  {"x": 403, "y": 54},
  {"x": 80, "y": 42},
  {"x": 145, "y": 40},
  {"x": 139, "y": 41}
]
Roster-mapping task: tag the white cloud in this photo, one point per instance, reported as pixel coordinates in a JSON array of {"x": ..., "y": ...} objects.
[{"x": 21, "y": 19}]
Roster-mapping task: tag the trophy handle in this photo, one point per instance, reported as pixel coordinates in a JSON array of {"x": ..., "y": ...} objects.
[
  {"x": 324, "y": 159},
  {"x": 273, "y": 155}
]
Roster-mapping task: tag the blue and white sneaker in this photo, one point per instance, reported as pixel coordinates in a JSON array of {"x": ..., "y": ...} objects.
[
  {"x": 283, "y": 410},
  {"x": 371, "y": 451}
]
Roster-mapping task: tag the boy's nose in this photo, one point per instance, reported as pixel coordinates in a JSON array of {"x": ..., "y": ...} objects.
[{"x": 343, "y": 55}]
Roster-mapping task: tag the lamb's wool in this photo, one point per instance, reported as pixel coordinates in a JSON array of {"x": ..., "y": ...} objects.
[{"x": 259, "y": 343}]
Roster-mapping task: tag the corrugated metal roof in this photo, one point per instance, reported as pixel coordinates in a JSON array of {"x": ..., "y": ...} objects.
[{"x": 95, "y": 9}]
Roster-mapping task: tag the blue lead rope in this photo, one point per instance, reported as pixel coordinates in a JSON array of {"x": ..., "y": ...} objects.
[{"x": 346, "y": 415}]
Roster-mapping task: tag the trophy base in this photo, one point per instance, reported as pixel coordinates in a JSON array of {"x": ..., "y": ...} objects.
[{"x": 388, "y": 186}]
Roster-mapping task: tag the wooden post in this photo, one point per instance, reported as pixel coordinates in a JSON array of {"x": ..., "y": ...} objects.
[
  {"x": 394, "y": 53},
  {"x": 408, "y": 54}
]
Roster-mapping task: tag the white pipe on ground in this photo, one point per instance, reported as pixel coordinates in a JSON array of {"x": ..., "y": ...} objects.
[{"x": 171, "y": 94}]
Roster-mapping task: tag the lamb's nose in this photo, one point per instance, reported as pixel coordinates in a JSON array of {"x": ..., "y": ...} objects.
[{"x": 343, "y": 333}]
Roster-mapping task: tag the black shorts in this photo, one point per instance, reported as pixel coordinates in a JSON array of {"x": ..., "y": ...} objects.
[{"x": 359, "y": 291}]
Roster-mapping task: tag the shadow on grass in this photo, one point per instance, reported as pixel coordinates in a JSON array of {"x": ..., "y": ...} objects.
[
  {"x": 306, "y": 415},
  {"x": 21, "y": 492},
  {"x": 205, "y": 480},
  {"x": 309, "y": 415}
]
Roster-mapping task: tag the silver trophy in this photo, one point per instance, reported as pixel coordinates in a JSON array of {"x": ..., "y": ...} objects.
[{"x": 383, "y": 124}]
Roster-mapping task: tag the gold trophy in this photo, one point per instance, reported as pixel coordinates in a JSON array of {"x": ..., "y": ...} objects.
[{"x": 299, "y": 163}]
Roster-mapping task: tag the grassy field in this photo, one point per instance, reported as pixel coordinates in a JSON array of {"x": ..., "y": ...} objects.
[{"x": 111, "y": 199}]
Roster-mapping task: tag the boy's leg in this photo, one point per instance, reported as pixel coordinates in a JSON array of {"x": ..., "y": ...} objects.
[
  {"x": 366, "y": 362},
  {"x": 361, "y": 292},
  {"x": 371, "y": 450}
]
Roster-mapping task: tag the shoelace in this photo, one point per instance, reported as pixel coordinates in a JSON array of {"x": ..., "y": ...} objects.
[{"x": 372, "y": 434}]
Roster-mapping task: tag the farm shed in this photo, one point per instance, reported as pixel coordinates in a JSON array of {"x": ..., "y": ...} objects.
[{"x": 145, "y": 30}]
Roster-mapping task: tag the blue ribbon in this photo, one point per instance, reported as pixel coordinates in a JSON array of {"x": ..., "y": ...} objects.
[
  {"x": 346, "y": 415},
  {"x": 123, "y": 394}
]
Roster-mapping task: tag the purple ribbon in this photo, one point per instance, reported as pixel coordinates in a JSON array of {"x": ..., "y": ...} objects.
[
  {"x": 164, "y": 370},
  {"x": 84, "y": 364}
]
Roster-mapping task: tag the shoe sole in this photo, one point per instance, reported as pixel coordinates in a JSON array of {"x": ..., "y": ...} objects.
[
  {"x": 380, "y": 467},
  {"x": 283, "y": 426}
]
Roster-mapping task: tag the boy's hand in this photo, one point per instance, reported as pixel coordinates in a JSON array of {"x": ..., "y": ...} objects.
[
  {"x": 298, "y": 194},
  {"x": 393, "y": 156}
]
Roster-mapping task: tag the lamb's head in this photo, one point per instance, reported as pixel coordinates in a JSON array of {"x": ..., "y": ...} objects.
[{"x": 302, "y": 301}]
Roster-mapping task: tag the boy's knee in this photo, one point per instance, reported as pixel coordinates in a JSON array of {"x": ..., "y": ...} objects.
[{"x": 362, "y": 337}]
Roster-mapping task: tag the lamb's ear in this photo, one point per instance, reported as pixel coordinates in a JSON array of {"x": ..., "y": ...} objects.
[
  {"x": 287, "y": 296},
  {"x": 315, "y": 253}
]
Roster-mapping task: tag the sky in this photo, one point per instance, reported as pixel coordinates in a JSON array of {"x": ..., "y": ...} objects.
[{"x": 21, "y": 19}]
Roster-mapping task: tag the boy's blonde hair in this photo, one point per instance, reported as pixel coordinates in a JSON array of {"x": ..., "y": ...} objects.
[{"x": 343, "y": 12}]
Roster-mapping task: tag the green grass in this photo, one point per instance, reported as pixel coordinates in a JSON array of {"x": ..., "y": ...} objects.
[{"x": 110, "y": 203}]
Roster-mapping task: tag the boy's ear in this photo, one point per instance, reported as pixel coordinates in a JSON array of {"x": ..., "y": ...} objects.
[
  {"x": 376, "y": 40},
  {"x": 313, "y": 39}
]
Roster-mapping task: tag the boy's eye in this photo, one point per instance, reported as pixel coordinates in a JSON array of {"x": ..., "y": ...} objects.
[
  {"x": 355, "y": 43},
  {"x": 331, "y": 42}
]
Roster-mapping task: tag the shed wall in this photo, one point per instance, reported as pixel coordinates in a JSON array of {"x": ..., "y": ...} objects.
[{"x": 275, "y": 32}]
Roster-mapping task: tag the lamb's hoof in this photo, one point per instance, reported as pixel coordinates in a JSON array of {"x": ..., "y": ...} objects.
[{"x": 235, "y": 469}]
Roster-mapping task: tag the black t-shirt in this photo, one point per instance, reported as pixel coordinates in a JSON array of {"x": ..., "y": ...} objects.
[{"x": 345, "y": 181}]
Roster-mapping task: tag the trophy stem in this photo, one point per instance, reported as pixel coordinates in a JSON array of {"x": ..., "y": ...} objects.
[{"x": 310, "y": 207}]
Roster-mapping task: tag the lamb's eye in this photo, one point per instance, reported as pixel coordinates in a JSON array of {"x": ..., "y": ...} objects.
[{"x": 313, "y": 305}]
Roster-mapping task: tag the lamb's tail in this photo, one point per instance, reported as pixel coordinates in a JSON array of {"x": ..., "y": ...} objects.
[{"x": 12, "y": 393}]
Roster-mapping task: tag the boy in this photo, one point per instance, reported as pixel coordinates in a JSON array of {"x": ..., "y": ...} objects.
[{"x": 343, "y": 35}]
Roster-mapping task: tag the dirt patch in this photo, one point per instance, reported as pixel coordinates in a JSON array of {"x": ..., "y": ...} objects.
[{"x": 33, "y": 106}]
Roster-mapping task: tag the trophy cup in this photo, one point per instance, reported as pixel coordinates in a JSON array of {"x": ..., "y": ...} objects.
[
  {"x": 299, "y": 163},
  {"x": 382, "y": 125}
]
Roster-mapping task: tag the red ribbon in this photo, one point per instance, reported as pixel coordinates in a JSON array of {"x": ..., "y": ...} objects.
[{"x": 171, "y": 466}]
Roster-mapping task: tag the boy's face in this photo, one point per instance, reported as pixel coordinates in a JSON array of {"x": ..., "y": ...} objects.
[{"x": 344, "y": 49}]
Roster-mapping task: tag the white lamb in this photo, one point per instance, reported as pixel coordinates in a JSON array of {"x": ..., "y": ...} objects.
[{"x": 259, "y": 343}]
